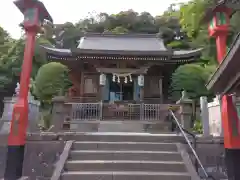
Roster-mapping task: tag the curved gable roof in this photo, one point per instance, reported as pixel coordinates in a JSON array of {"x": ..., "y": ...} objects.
[{"x": 122, "y": 42}]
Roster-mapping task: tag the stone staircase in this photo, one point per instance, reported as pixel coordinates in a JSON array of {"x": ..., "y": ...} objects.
[{"x": 128, "y": 157}]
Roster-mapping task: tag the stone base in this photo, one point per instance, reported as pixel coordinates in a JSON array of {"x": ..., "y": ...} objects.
[
  {"x": 232, "y": 159},
  {"x": 14, "y": 163},
  {"x": 121, "y": 126},
  {"x": 40, "y": 158}
]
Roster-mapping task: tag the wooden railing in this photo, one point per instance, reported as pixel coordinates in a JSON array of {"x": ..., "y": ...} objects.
[
  {"x": 70, "y": 111},
  {"x": 117, "y": 111}
]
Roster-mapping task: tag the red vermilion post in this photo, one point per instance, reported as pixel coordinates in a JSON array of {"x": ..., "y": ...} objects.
[
  {"x": 218, "y": 28},
  {"x": 221, "y": 42},
  {"x": 19, "y": 123},
  {"x": 34, "y": 15},
  {"x": 228, "y": 109},
  {"x": 230, "y": 123},
  {"x": 20, "y": 110}
]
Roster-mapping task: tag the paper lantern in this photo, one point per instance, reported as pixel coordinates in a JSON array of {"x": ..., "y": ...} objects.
[
  {"x": 102, "y": 80},
  {"x": 141, "y": 80}
]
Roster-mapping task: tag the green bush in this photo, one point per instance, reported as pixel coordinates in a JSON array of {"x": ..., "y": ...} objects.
[
  {"x": 198, "y": 128},
  {"x": 51, "y": 80}
]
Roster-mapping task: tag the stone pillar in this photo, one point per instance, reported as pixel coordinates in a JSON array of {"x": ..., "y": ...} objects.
[
  {"x": 185, "y": 111},
  {"x": 58, "y": 113},
  {"x": 33, "y": 114},
  {"x": 214, "y": 116},
  {"x": 204, "y": 115}
]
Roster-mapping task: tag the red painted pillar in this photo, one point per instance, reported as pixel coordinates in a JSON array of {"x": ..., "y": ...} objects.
[
  {"x": 231, "y": 132},
  {"x": 221, "y": 42},
  {"x": 19, "y": 123},
  {"x": 228, "y": 108},
  {"x": 36, "y": 17},
  {"x": 229, "y": 116}
]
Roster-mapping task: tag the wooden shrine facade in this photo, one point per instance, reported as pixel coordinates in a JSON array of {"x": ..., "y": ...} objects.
[
  {"x": 120, "y": 69},
  {"x": 123, "y": 60}
]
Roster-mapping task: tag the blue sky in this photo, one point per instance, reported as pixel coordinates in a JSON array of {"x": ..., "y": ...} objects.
[{"x": 74, "y": 10}]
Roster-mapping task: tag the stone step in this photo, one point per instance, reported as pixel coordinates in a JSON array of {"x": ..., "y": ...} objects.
[
  {"x": 125, "y": 155},
  {"x": 123, "y": 137},
  {"x": 97, "y": 165},
  {"x": 133, "y": 126},
  {"x": 126, "y": 175},
  {"x": 118, "y": 146}
]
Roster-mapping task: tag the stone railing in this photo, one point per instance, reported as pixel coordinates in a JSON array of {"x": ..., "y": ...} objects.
[{"x": 33, "y": 115}]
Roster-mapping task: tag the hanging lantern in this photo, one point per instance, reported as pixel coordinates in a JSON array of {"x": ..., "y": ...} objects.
[
  {"x": 114, "y": 78},
  {"x": 130, "y": 78},
  {"x": 125, "y": 81},
  {"x": 141, "y": 80},
  {"x": 118, "y": 79},
  {"x": 102, "y": 80}
]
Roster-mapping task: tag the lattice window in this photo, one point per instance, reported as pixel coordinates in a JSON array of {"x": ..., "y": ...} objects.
[
  {"x": 154, "y": 85},
  {"x": 89, "y": 86}
]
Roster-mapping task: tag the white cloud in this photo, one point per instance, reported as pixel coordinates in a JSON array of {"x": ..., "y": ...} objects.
[{"x": 74, "y": 10}]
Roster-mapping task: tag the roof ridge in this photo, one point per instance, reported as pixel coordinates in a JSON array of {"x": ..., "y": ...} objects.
[{"x": 125, "y": 35}]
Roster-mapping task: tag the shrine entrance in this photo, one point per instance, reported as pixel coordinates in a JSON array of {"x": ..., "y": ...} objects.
[{"x": 121, "y": 91}]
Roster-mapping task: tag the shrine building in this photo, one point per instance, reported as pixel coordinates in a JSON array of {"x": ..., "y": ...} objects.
[{"x": 120, "y": 69}]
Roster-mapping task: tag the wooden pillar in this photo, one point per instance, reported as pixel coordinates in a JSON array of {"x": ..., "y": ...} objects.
[
  {"x": 161, "y": 90},
  {"x": 142, "y": 93},
  {"x": 74, "y": 90},
  {"x": 102, "y": 84},
  {"x": 141, "y": 84},
  {"x": 81, "y": 93},
  {"x": 101, "y": 95}
]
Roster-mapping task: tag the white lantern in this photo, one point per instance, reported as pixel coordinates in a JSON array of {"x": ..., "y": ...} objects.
[
  {"x": 141, "y": 80},
  {"x": 102, "y": 79},
  {"x": 126, "y": 80},
  {"x": 130, "y": 78}
]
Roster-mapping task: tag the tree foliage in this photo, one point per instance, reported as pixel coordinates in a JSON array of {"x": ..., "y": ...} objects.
[
  {"x": 192, "y": 79},
  {"x": 51, "y": 80},
  {"x": 167, "y": 26}
]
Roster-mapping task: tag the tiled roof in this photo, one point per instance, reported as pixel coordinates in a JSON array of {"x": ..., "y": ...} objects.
[{"x": 123, "y": 42}]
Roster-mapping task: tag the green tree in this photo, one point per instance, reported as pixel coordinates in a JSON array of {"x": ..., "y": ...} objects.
[
  {"x": 197, "y": 31},
  {"x": 5, "y": 42},
  {"x": 119, "y": 30},
  {"x": 51, "y": 80},
  {"x": 168, "y": 25},
  {"x": 191, "y": 78}
]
